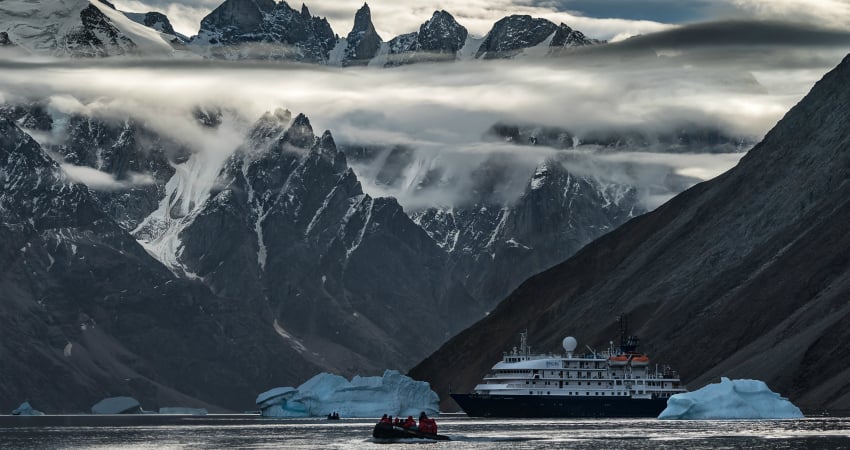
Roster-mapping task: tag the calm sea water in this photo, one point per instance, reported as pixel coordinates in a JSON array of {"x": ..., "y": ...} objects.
[{"x": 466, "y": 433}]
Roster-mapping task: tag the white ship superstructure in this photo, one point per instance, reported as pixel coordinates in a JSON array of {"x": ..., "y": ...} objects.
[{"x": 610, "y": 373}]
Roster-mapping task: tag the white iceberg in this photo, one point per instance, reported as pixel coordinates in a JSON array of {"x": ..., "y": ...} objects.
[
  {"x": 731, "y": 399},
  {"x": 26, "y": 410},
  {"x": 392, "y": 393},
  {"x": 117, "y": 405}
]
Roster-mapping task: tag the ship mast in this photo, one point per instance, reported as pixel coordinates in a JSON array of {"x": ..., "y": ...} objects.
[{"x": 524, "y": 349}]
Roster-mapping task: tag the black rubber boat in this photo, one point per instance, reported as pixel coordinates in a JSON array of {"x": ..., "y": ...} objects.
[{"x": 390, "y": 432}]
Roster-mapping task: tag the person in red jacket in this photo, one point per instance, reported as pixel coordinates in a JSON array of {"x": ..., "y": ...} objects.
[
  {"x": 409, "y": 423},
  {"x": 426, "y": 424},
  {"x": 386, "y": 419}
]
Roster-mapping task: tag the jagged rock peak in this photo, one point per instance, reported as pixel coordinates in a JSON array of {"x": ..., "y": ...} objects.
[
  {"x": 362, "y": 19},
  {"x": 514, "y": 33},
  {"x": 300, "y": 133},
  {"x": 305, "y": 13},
  {"x": 240, "y": 15},
  {"x": 363, "y": 41},
  {"x": 441, "y": 33},
  {"x": 326, "y": 147},
  {"x": 269, "y": 126},
  {"x": 159, "y": 22},
  {"x": 568, "y": 37}
]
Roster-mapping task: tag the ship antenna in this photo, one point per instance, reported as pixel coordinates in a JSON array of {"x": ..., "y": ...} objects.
[{"x": 623, "y": 321}]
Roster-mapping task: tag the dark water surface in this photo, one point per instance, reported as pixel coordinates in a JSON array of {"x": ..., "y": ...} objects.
[{"x": 141, "y": 432}]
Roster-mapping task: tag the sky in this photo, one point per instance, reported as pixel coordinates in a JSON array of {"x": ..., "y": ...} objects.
[{"x": 602, "y": 19}]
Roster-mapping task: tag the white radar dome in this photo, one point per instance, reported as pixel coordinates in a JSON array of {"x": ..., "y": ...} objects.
[{"x": 569, "y": 344}]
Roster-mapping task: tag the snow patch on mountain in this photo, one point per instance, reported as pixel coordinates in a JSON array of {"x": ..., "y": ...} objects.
[{"x": 185, "y": 193}]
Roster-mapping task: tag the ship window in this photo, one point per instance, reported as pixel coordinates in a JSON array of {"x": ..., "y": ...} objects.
[{"x": 531, "y": 392}]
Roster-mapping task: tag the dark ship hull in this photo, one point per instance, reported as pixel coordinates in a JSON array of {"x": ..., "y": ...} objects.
[{"x": 534, "y": 406}]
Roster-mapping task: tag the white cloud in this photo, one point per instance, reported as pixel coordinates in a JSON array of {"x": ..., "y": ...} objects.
[
  {"x": 102, "y": 181},
  {"x": 825, "y": 13},
  {"x": 442, "y": 110}
]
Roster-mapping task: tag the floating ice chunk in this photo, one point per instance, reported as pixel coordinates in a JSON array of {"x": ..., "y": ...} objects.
[
  {"x": 392, "y": 393},
  {"x": 183, "y": 411},
  {"x": 26, "y": 410},
  {"x": 117, "y": 405},
  {"x": 731, "y": 399}
]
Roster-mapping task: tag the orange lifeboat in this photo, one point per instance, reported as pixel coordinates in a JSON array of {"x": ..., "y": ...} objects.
[
  {"x": 640, "y": 361},
  {"x": 618, "y": 361}
]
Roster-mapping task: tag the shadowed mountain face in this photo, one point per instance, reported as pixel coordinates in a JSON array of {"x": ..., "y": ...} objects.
[
  {"x": 87, "y": 313},
  {"x": 745, "y": 276}
]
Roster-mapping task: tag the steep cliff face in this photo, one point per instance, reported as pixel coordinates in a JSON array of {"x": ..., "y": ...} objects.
[
  {"x": 87, "y": 313},
  {"x": 513, "y": 34},
  {"x": 363, "y": 42},
  {"x": 248, "y": 29},
  {"x": 746, "y": 275},
  {"x": 438, "y": 39}
]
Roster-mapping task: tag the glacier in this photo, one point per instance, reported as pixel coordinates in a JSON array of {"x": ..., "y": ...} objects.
[
  {"x": 731, "y": 400},
  {"x": 393, "y": 393}
]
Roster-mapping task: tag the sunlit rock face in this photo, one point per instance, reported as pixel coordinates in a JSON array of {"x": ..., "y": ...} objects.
[{"x": 76, "y": 29}]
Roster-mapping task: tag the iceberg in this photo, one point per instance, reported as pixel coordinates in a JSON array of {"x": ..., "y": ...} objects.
[
  {"x": 393, "y": 393},
  {"x": 183, "y": 411},
  {"x": 731, "y": 399},
  {"x": 117, "y": 405},
  {"x": 26, "y": 410}
]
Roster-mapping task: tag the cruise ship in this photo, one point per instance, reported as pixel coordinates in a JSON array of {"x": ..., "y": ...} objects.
[{"x": 617, "y": 382}]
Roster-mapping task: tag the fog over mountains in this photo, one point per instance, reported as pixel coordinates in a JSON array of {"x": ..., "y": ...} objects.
[{"x": 270, "y": 199}]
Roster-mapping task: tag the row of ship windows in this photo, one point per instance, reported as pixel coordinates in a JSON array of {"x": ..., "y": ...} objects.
[
  {"x": 612, "y": 394},
  {"x": 599, "y": 383},
  {"x": 553, "y": 373}
]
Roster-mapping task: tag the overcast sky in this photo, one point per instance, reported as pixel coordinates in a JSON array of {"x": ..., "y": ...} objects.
[{"x": 604, "y": 19}]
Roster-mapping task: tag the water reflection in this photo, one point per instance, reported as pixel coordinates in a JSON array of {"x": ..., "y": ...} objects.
[{"x": 252, "y": 433}]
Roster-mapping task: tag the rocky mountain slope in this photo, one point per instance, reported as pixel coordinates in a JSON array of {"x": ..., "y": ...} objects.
[
  {"x": 743, "y": 276},
  {"x": 280, "y": 230},
  {"x": 87, "y": 313}
]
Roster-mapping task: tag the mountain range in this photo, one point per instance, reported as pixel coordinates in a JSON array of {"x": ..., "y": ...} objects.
[
  {"x": 267, "y": 30},
  {"x": 742, "y": 276},
  {"x": 279, "y": 230},
  {"x": 200, "y": 278}
]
